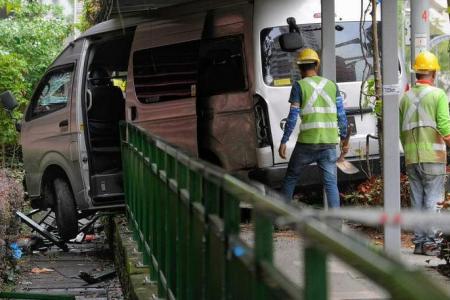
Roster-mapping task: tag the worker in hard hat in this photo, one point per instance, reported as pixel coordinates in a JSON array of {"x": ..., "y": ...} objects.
[
  {"x": 424, "y": 132},
  {"x": 317, "y": 100}
]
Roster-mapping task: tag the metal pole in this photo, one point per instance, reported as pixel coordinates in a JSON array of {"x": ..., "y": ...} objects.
[
  {"x": 328, "y": 59},
  {"x": 328, "y": 40},
  {"x": 391, "y": 93},
  {"x": 420, "y": 29}
]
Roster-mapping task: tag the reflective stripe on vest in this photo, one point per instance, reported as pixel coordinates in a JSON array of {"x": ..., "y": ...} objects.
[
  {"x": 319, "y": 125},
  {"x": 424, "y": 119},
  {"x": 318, "y": 91},
  {"x": 439, "y": 147},
  {"x": 310, "y": 109}
]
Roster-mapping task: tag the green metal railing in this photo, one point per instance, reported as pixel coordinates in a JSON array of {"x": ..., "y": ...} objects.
[{"x": 185, "y": 216}]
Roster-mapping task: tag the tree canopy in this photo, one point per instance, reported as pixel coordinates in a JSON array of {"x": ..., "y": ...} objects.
[{"x": 30, "y": 38}]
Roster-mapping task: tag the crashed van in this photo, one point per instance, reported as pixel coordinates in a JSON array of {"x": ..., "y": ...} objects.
[{"x": 209, "y": 77}]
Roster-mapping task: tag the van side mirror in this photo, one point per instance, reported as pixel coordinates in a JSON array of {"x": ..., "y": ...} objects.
[
  {"x": 18, "y": 125},
  {"x": 8, "y": 101},
  {"x": 293, "y": 40}
]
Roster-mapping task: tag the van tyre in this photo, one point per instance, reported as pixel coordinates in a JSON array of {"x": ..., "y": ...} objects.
[{"x": 65, "y": 210}]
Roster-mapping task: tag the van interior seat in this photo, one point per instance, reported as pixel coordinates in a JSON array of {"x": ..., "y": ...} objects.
[{"x": 105, "y": 110}]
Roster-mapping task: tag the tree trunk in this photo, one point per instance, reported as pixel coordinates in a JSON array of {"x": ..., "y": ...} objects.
[{"x": 377, "y": 75}]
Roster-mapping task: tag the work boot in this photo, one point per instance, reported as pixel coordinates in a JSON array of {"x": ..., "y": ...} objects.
[
  {"x": 418, "y": 249},
  {"x": 431, "y": 249}
]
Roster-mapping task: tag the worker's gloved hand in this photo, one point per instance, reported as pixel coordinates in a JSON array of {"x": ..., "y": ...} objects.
[{"x": 282, "y": 151}]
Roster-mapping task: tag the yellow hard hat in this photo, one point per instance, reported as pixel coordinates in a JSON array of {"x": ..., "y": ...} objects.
[
  {"x": 426, "y": 61},
  {"x": 307, "y": 56}
]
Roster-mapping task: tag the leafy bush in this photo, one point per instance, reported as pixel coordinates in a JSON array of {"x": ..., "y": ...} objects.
[
  {"x": 94, "y": 12},
  {"x": 12, "y": 77},
  {"x": 370, "y": 193},
  {"x": 11, "y": 200}
]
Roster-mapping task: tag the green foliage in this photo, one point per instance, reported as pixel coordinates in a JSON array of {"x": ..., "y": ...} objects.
[
  {"x": 369, "y": 98},
  {"x": 30, "y": 39},
  {"x": 10, "y": 5},
  {"x": 12, "y": 77},
  {"x": 370, "y": 193},
  {"x": 93, "y": 13}
]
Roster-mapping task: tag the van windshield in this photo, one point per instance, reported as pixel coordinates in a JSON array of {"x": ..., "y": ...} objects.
[{"x": 279, "y": 67}]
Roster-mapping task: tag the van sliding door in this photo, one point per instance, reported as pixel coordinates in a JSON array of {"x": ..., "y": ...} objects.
[
  {"x": 162, "y": 85},
  {"x": 227, "y": 134}
]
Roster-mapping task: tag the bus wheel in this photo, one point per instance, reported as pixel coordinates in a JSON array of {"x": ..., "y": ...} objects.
[{"x": 65, "y": 210}]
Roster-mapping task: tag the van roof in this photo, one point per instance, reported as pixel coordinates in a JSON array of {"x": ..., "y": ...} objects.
[
  {"x": 137, "y": 6},
  {"x": 112, "y": 25}
]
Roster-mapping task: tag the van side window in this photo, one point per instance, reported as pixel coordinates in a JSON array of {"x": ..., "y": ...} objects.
[
  {"x": 222, "y": 66},
  {"x": 166, "y": 73},
  {"x": 53, "y": 93}
]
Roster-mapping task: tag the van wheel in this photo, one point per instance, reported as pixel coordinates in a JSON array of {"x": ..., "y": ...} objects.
[{"x": 65, "y": 210}]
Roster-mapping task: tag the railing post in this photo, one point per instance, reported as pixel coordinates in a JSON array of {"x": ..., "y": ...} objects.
[
  {"x": 232, "y": 218},
  {"x": 183, "y": 238},
  {"x": 315, "y": 261},
  {"x": 147, "y": 200},
  {"x": 152, "y": 198},
  {"x": 161, "y": 216},
  {"x": 214, "y": 246},
  {"x": 196, "y": 250},
  {"x": 171, "y": 220},
  {"x": 263, "y": 250},
  {"x": 141, "y": 191}
]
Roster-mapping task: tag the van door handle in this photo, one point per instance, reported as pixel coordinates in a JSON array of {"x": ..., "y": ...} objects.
[{"x": 64, "y": 123}]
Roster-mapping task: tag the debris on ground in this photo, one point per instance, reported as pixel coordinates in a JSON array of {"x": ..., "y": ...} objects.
[
  {"x": 370, "y": 193},
  {"x": 41, "y": 270},
  {"x": 97, "y": 277},
  {"x": 58, "y": 272},
  {"x": 16, "y": 251},
  {"x": 31, "y": 243}
]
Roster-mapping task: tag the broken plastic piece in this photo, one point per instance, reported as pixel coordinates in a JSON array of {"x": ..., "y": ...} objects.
[
  {"x": 41, "y": 270},
  {"x": 16, "y": 251},
  {"x": 98, "y": 277}
]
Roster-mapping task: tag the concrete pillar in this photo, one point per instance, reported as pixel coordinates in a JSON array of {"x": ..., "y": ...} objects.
[
  {"x": 391, "y": 132},
  {"x": 328, "y": 59},
  {"x": 420, "y": 29}
]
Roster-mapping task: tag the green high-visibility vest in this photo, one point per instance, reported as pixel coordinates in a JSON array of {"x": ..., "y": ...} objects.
[
  {"x": 318, "y": 111},
  {"x": 421, "y": 140}
]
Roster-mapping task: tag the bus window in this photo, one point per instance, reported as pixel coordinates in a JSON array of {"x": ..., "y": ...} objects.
[
  {"x": 222, "y": 66},
  {"x": 279, "y": 67},
  {"x": 166, "y": 73}
]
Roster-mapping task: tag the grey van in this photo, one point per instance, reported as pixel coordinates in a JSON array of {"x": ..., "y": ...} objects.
[{"x": 210, "y": 80}]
